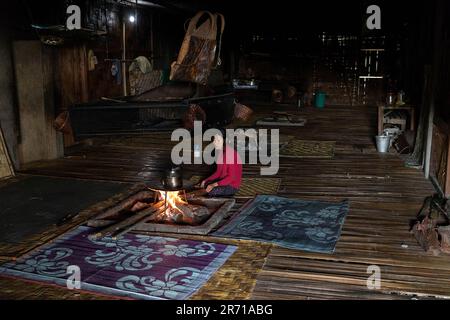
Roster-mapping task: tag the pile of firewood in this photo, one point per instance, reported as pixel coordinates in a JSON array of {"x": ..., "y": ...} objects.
[
  {"x": 444, "y": 235},
  {"x": 432, "y": 227},
  {"x": 115, "y": 228}
]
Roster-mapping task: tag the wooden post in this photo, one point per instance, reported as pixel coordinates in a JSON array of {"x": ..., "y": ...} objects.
[
  {"x": 6, "y": 167},
  {"x": 439, "y": 20},
  {"x": 429, "y": 140},
  {"x": 380, "y": 119},
  {"x": 124, "y": 57},
  {"x": 72, "y": 82},
  {"x": 447, "y": 169},
  {"x": 152, "y": 41},
  {"x": 83, "y": 74}
]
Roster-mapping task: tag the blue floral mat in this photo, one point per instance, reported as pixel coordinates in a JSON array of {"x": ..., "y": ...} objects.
[
  {"x": 135, "y": 266},
  {"x": 296, "y": 224}
]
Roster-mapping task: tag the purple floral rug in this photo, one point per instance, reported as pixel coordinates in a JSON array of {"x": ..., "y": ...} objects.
[{"x": 135, "y": 266}]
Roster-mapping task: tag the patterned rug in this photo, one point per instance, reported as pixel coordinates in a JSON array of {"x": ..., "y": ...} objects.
[
  {"x": 251, "y": 187},
  {"x": 136, "y": 266},
  {"x": 296, "y": 224},
  {"x": 308, "y": 149}
]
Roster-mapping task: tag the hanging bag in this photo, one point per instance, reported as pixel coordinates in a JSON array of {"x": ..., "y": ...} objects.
[{"x": 198, "y": 50}]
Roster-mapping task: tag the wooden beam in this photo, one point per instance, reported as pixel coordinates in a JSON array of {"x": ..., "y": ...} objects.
[
  {"x": 447, "y": 170},
  {"x": 429, "y": 141},
  {"x": 6, "y": 167}
]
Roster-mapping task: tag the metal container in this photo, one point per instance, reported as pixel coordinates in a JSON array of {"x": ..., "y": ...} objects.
[
  {"x": 383, "y": 143},
  {"x": 400, "y": 98},
  {"x": 319, "y": 99},
  {"x": 173, "y": 178},
  {"x": 300, "y": 101},
  {"x": 390, "y": 98}
]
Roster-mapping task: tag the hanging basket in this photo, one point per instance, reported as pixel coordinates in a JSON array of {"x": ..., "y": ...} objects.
[
  {"x": 277, "y": 96},
  {"x": 242, "y": 112},
  {"x": 62, "y": 122},
  {"x": 194, "y": 113}
]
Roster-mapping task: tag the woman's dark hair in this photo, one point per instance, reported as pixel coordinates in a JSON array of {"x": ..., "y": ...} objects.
[{"x": 223, "y": 132}]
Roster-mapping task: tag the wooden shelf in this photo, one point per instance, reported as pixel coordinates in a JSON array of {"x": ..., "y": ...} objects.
[{"x": 408, "y": 108}]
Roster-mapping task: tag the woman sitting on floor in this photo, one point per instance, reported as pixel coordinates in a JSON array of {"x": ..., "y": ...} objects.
[{"x": 227, "y": 178}]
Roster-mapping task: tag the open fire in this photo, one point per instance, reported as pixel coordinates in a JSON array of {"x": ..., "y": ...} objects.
[
  {"x": 162, "y": 207},
  {"x": 176, "y": 209},
  {"x": 161, "y": 211}
]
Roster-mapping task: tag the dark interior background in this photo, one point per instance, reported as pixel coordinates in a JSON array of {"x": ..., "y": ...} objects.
[
  {"x": 283, "y": 29},
  {"x": 310, "y": 44}
]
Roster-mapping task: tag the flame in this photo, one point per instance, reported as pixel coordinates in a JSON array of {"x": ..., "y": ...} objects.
[{"x": 173, "y": 197}]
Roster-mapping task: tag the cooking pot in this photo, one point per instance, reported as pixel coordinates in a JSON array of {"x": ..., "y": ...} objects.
[{"x": 173, "y": 178}]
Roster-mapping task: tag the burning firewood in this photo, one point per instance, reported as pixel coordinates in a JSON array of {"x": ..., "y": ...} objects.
[
  {"x": 136, "y": 224},
  {"x": 131, "y": 221},
  {"x": 172, "y": 208},
  {"x": 126, "y": 204},
  {"x": 190, "y": 215},
  {"x": 138, "y": 206},
  {"x": 194, "y": 215}
]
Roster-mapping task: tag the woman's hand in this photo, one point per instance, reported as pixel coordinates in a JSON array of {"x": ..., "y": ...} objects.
[{"x": 210, "y": 187}]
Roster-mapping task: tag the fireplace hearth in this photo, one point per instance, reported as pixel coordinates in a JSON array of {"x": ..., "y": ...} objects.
[{"x": 157, "y": 210}]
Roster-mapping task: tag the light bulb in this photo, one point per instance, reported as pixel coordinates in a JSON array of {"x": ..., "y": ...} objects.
[{"x": 132, "y": 19}]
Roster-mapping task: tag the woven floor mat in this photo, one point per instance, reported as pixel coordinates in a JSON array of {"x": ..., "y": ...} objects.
[
  {"x": 236, "y": 279},
  {"x": 18, "y": 289},
  {"x": 308, "y": 149}
]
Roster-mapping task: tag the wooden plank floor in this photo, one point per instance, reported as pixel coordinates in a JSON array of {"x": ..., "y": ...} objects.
[{"x": 384, "y": 196}]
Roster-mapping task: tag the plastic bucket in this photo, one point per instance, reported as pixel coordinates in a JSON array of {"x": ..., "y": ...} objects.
[
  {"x": 383, "y": 143},
  {"x": 319, "y": 99}
]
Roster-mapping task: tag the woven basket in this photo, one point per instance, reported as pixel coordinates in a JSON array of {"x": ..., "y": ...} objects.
[
  {"x": 277, "y": 96},
  {"x": 62, "y": 122},
  {"x": 194, "y": 113},
  {"x": 242, "y": 112}
]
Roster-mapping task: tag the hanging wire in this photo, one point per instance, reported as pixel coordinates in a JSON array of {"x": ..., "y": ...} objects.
[
  {"x": 107, "y": 29},
  {"x": 30, "y": 16},
  {"x": 136, "y": 28}
]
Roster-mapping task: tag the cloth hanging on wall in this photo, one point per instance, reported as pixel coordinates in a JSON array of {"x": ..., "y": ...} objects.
[
  {"x": 92, "y": 60},
  {"x": 116, "y": 71},
  {"x": 141, "y": 63}
]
